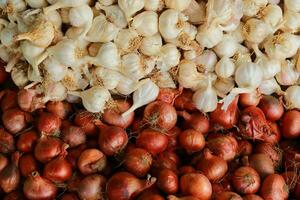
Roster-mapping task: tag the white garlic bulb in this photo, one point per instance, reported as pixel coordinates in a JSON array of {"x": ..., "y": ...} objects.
[
  {"x": 8, "y": 34},
  {"x": 154, "y": 5},
  {"x": 19, "y": 75},
  {"x": 56, "y": 71},
  {"x": 64, "y": 4},
  {"x": 73, "y": 80},
  {"x": 151, "y": 46},
  {"x": 128, "y": 40},
  {"x": 225, "y": 67},
  {"x": 179, "y": 5},
  {"x": 196, "y": 12},
  {"x": 272, "y": 14},
  {"x": 269, "y": 87},
  {"x": 291, "y": 97},
  {"x": 206, "y": 61},
  {"x": 54, "y": 91},
  {"x": 146, "y": 23},
  {"x": 209, "y": 35},
  {"x": 55, "y": 18},
  {"x": 127, "y": 85},
  {"x": 36, "y": 3},
  {"x": 130, "y": 7},
  {"x": 248, "y": 75},
  {"x": 288, "y": 74},
  {"x": 188, "y": 76},
  {"x": 252, "y": 7},
  {"x": 223, "y": 86},
  {"x": 80, "y": 16},
  {"x": 106, "y": 2},
  {"x": 270, "y": 67},
  {"x": 293, "y": 5},
  {"x": 256, "y": 30},
  {"x": 227, "y": 47},
  {"x": 115, "y": 15},
  {"x": 106, "y": 77},
  {"x": 291, "y": 21},
  {"x": 163, "y": 80},
  {"x": 168, "y": 57},
  {"x": 31, "y": 52}
]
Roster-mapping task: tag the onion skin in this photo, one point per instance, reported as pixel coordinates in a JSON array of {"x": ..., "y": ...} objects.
[
  {"x": 262, "y": 163},
  {"x": 69, "y": 196},
  {"x": 252, "y": 197},
  {"x": 225, "y": 119},
  {"x": 9, "y": 100},
  {"x": 15, "y": 120},
  {"x": 36, "y": 188},
  {"x": 224, "y": 146},
  {"x": 197, "y": 185},
  {"x": 274, "y": 135},
  {"x": 138, "y": 162},
  {"x": 196, "y": 121},
  {"x": 291, "y": 179},
  {"x": 3, "y": 74},
  {"x": 29, "y": 101},
  {"x": 147, "y": 196},
  {"x": 58, "y": 170},
  {"x": 186, "y": 169},
  {"x": 271, "y": 151},
  {"x": 49, "y": 123},
  {"x": 14, "y": 195},
  {"x": 272, "y": 108},
  {"x": 291, "y": 124},
  {"x": 274, "y": 187},
  {"x": 245, "y": 180},
  {"x": 112, "y": 140},
  {"x": 85, "y": 120},
  {"x": 74, "y": 153},
  {"x": 28, "y": 164},
  {"x": 184, "y": 101},
  {"x": 113, "y": 116},
  {"x": 168, "y": 95},
  {"x": 91, "y": 161},
  {"x": 92, "y": 187},
  {"x": 3, "y": 162},
  {"x": 213, "y": 167},
  {"x": 7, "y": 143},
  {"x": 250, "y": 99},
  {"x": 73, "y": 135},
  {"x": 125, "y": 186},
  {"x": 191, "y": 140},
  {"x": 27, "y": 141},
  {"x": 173, "y": 137},
  {"x": 153, "y": 141},
  {"x": 47, "y": 148},
  {"x": 228, "y": 196},
  {"x": 167, "y": 181},
  {"x": 10, "y": 175},
  {"x": 60, "y": 108},
  {"x": 160, "y": 115},
  {"x": 163, "y": 162},
  {"x": 172, "y": 197},
  {"x": 245, "y": 148}
]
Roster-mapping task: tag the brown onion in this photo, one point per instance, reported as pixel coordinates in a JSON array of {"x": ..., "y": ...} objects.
[
  {"x": 160, "y": 115},
  {"x": 47, "y": 148},
  {"x": 91, "y": 161},
  {"x": 112, "y": 140},
  {"x": 172, "y": 197},
  {"x": 274, "y": 187},
  {"x": 224, "y": 146},
  {"x": 3, "y": 162},
  {"x": 73, "y": 135},
  {"x": 28, "y": 164},
  {"x": 245, "y": 180},
  {"x": 167, "y": 181},
  {"x": 29, "y": 101},
  {"x": 69, "y": 196},
  {"x": 36, "y": 187},
  {"x": 150, "y": 194},
  {"x": 153, "y": 141},
  {"x": 48, "y": 123},
  {"x": 244, "y": 148},
  {"x": 262, "y": 163},
  {"x": 228, "y": 196},
  {"x": 213, "y": 167},
  {"x": 273, "y": 136},
  {"x": 9, "y": 100},
  {"x": 7, "y": 143},
  {"x": 113, "y": 115},
  {"x": 27, "y": 141},
  {"x": 186, "y": 169},
  {"x": 291, "y": 124},
  {"x": 125, "y": 186},
  {"x": 92, "y": 187},
  {"x": 14, "y": 195},
  {"x": 252, "y": 197},
  {"x": 272, "y": 151},
  {"x": 60, "y": 108},
  {"x": 173, "y": 137},
  {"x": 250, "y": 99},
  {"x": 138, "y": 162},
  {"x": 196, "y": 121},
  {"x": 10, "y": 175},
  {"x": 168, "y": 95},
  {"x": 184, "y": 101},
  {"x": 272, "y": 108},
  {"x": 15, "y": 120},
  {"x": 74, "y": 153},
  {"x": 85, "y": 120},
  {"x": 197, "y": 185},
  {"x": 191, "y": 140},
  {"x": 163, "y": 162}
]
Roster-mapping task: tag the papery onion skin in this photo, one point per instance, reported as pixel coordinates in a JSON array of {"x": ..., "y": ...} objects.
[
  {"x": 153, "y": 141},
  {"x": 49, "y": 123},
  {"x": 191, "y": 140},
  {"x": 196, "y": 121},
  {"x": 172, "y": 197},
  {"x": 228, "y": 196},
  {"x": 186, "y": 169},
  {"x": 60, "y": 108},
  {"x": 3, "y": 162},
  {"x": 252, "y": 197},
  {"x": 7, "y": 143},
  {"x": 69, "y": 196},
  {"x": 169, "y": 95},
  {"x": 28, "y": 164},
  {"x": 173, "y": 137},
  {"x": 150, "y": 194},
  {"x": 274, "y": 187},
  {"x": 262, "y": 163},
  {"x": 271, "y": 150},
  {"x": 167, "y": 181},
  {"x": 58, "y": 170},
  {"x": 47, "y": 148},
  {"x": 197, "y": 185},
  {"x": 274, "y": 135},
  {"x": 163, "y": 162},
  {"x": 9, "y": 100},
  {"x": 15, "y": 120},
  {"x": 10, "y": 175},
  {"x": 184, "y": 101},
  {"x": 249, "y": 99},
  {"x": 245, "y": 180},
  {"x": 91, "y": 161},
  {"x": 28, "y": 100},
  {"x": 272, "y": 108},
  {"x": 85, "y": 120},
  {"x": 92, "y": 187},
  {"x": 27, "y": 141},
  {"x": 290, "y": 127},
  {"x": 3, "y": 74},
  {"x": 73, "y": 135},
  {"x": 160, "y": 115},
  {"x": 245, "y": 148}
]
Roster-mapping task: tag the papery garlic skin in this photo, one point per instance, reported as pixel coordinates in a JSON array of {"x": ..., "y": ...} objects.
[
  {"x": 106, "y": 77},
  {"x": 288, "y": 74},
  {"x": 36, "y": 3},
  {"x": 291, "y": 97},
  {"x": 64, "y": 4},
  {"x": 146, "y": 23},
  {"x": 206, "y": 61},
  {"x": 291, "y": 21},
  {"x": 56, "y": 71},
  {"x": 168, "y": 57},
  {"x": 252, "y": 7},
  {"x": 179, "y": 5},
  {"x": 196, "y": 12},
  {"x": 31, "y": 52},
  {"x": 128, "y": 40},
  {"x": 55, "y": 18},
  {"x": 80, "y": 16},
  {"x": 154, "y": 5},
  {"x": 19, "y": 75},
  {"x": 130, "y": 7},
  {"x": 188, "y": 76},
  {"x": 225, "y": 67},
  {"x": 73, "y": 80},
  {"x": 164, "y": 80},
  {"x": 115, "y": 15},
  {"x": 248, "y": 75},
  {"x": 269, "y": 86},
  {"x": 223, "y": 86},
  {"x": 151, "y": 46},
  {"x": 171, "y": 23},
  {"x": 126, "y": 85},
  {"x": 227, "y": 47},
  {"x": 209, "y": 35},
  {"x": 270, "y": 67},
  {"x": 256, "y": 30},
  {"x": 107, "y": 2},
  {"x": 293, "y": 5},
  {"x": 272, "y": 14},
  {"x": 54, "y": 91}
]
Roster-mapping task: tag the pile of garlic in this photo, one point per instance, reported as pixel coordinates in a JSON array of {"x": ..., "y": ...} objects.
[{"x": 93, "y": 50}]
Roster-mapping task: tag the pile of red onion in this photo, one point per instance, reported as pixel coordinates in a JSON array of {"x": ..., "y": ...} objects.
[{"x": 166, "y": 150}]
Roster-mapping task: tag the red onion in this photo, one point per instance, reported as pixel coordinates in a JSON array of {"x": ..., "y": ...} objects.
[
  {"x": 228, "y": 196},
  {"x": 150, "y": 194},
  {"x": 245, "y": 180},
  {"x": 3, "y": 74},
  {"x": 92, "y": 187},
  {"x": 3, "y": 162},
  {"x": 113, "y": 115},
  {"x": 27, "y": 141},
  {"x": 191, "y": 140},
  {"x": 160, "y": 115},
  {"x": 168, "y": 95},
  {"x": 272, "y": 108},
  {"x": 172, "y": 197},
  {"x": 225, "y": 119},
  {"x": 250, "y": 99},
  {"x": 244, "y": 148},
  {"x": 74, "y": 153},
  {"x": 125, "y": 186},
  {"x": 15, "y": 120},
  {"x": 60, "y": 108},
  {"x": 112, "y": 139},
  {"x": 274, "y": 187},
  {"x": 29, "y": 101},
  {"x": 47, "y": 148},
  {"x": 138, "y": 162},
  {"x": 185, "y": 102},
  {"x": 196, "y": 121},
  {"x": 291, "y": 124},
  {"x": 262, "y": 163},
  {"x": 14, "y": 195},
  {"x": 69, "y": 196},
  {"x": 213, "y": 167},
  {"x": 48, "y": 123},
  {"x": 91, "y": 161},
  {"x": 252, "y": 197},
  {"x": 173, "y": 137},
  {"x": 186, "y": 169},
  {"x": 85, "y": 120},
  {"x": 9, "y": 100},
  {"x": 153, "y": 141},
  {"x": 291, "y": 179},
  {"x": 197, "y": 185},
  {"x": 73, "y": 135},
  {"x": 273, "y": 136},
  {"x": 10, "y": 175},
  {"x": 167, "y": 181},
  {"x": 272, "y": 151},
  {"x": 7, "y": 143},
  {"x": 36, "y": 187},
  {"x": 28, "y": 164},
  {"x": 163, "y": 162}
]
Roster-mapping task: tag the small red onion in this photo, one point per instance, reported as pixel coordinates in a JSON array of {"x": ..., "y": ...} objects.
[
  {"x": 48, "y": 123},
  {"x": 60, "y": 108}
]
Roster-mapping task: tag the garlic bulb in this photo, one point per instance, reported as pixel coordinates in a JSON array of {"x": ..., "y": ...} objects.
[
  {"x": 292, "y": 5},
  {"x": 205, "y": 99},
  {"x": 236, "y": 14},
  {"x": 206, "y": 61},
  {"x": 291, "y": 97},
  {"x": 55, "y": 70},
  {"x": 248, "y": 75},
  {"x": 171, "y": 23},
  {"x": 291, "y": 21},
  {"x": 185, "y": 40},
  {"x": 240, "y": 58},
  {"x": 115, "y": 15},
  {"x": 252, "y": 7},
  {"x": 130, "y": 7},
  {"x": 64, "y": 14},
  {"x": 11, "y": 7},
  {"x": 102, "y": 30},
  {"x": 106, "y": 2},
  {"x": 225, "y": 67},
  {"x": 269, "y": 67},
  {"x": 272, "y": 14},
  {"x": 151, "y": 46},
  {"x": 195, "y": 12},
  {"x": 282, "y": 46},
  {"x": 168, "y": 57},
  {"x": 55, "y": 19},
  {"x": 73, "y": 80},
  {"x": 31, "y": 52},
  {"x": 256, "y": 30},
  {"x": 4, "y": 53},
  {"x": 178, "y": 4},
  {"x": 223, "y": 86},
  {"x": 188, "y": 76},
  {"x": 269, "y": 86},
  {"x": 163, "y": 80},
  {"x": 7, "y": 35},
  {"x": 227, "y": 47},
  {"x": 238, "y": 34},
  {"x": 36, "y": 3},
  {"x": 288, "y": 74},
  {"x": 209, "y": 35},
  {"x": 145, "y": 94},
  {"x": 127, "y": 85},
  {"x": 19, "y": 75},
  {"x": 81, "y": 16},
  {"x": 64, "y": 4},
  {"x": 154, "y": 5},
  {"x": 128, "y": 40},
  {"x": 146, "y": 23},
  {"x": 220, "y": 11},
  {"x": 106, "y": 77},
  {"x": 93, "y": 99},
  {"x": 54, "y": 91},
  {"x": 40, "y": 33}
]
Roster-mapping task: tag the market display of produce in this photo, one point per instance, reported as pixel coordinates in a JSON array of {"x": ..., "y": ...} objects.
[{"x": 149, "y": 99}]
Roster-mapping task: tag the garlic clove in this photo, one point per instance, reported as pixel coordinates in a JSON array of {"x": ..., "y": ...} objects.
[
  {"x": 147, "y": 17},
  {"x": 151, "y": 46},
  {"x": 225, "y": 67},
  {"x": 288, "y": 74},
  {"x": 130, "y": 7},
  {"x": 128, "y": 40},
  {"x": 154, "y": 5},
  {"x": 163, "y": 80},
  {"x": 64, "y": 4},
  {"x": 114, "y": 14},
  {"x": 168, "y": 57},
  {"x": 291, "y": 97},
  {"x": 37, "y": 3},
  {"x": 106, "y": 2},
  {"x": 196, "y": 12},
  {"x": 177, "y": 4},
  {"x": 188, "y": 76},
  {"x": 106, "y": 77},
  {"x": 55, "y": 70}
]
